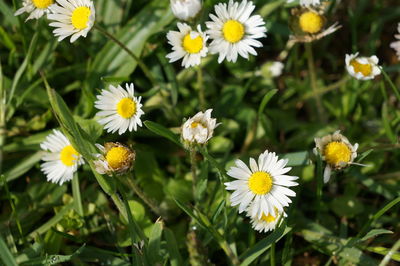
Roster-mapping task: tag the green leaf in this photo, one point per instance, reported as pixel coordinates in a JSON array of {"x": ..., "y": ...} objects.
[
  {"x": 265, "y": 100},
  {"x": 153, "y": 250},
  {"x": 386, "y": 124},
  {"x": 347, "y": 206},
  {"x": 297, "y": 158},
  {"x": 23, "y": 167},
  {"x": 5, "y": 254},
  {"x": 54, "y": 259},
  {"x": 173, "y": 251},
  {"x": 375, "y": 232},
  {"x": 162, "y": 131}
]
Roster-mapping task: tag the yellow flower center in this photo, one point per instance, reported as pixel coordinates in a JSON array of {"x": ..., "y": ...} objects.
[
  {"x": 233, "y": 31},
  {"x": 68, "y": 155},
  {"x": 260, "y": 183},
  {"x": 126, "y": 108},
  {"x": 196, "y": 124},
  {"x": 80, "y": 17},
  {"x": 336, "y": 152},
  {"x": 117, "y": 156},
  {"x": 42, "y": 3},
  {"x": 311, "y": 22},
  {"x": 269, "y": 218},
  {"x": 365, "y": 69},
  {"x": 192, "y": 46}
]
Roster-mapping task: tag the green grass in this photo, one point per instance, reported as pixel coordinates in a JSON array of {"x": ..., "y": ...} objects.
[{"x": 352, "y": 220}]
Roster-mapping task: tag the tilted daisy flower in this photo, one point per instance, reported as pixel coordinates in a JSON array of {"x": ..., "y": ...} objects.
[
  {"x": 61, "y": 159},
  {"x": 72, "y": 18},
  {"x": 120, "y": 109},
  {"x": 396, "y": 45},
  {"x": 199, "y": 128},
  {"x": 114, "y": 158},
  {"x": 185, "y": 9},
  {"x": 336, "y": 150},
  {"x": 187, "y": 44},
  {"x": 234, "y": 31},
  {"x": 267, "y": 222},
  {"x": 362, "y": 68},
  {"x": 263, "y": 187},
  {"x": 36, "y": 8}
]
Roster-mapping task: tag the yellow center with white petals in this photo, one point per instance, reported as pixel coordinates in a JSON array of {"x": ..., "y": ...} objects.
[
  {"x": 311, "y": 22},
  {"x": 337, "y": 152},
  {"x": 42, "y": 3},
  {"x": 80, "y": 17},
  {"x": 364, "y": 69},
  {"x": 260, "y": 183},
  {"x": 196, "y": 124},
  {"x": 117, "y": 156},
  {"x": 233, "y": 31},
  {"x": 269, "y": 218},
  {"x": 192, "y": 45},
  {"x": 68, "y": 155},
  {"x": 126, "y": 108}
]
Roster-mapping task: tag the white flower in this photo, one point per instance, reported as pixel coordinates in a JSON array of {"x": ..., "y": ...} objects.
[
  {"x": 187, "y": 44},
  {"x": 233, "y": 31},
  {"x": 267, "y": 222},
  {"x": 337, "y": 151},
  {"x": 396, "y": 45},
  {"x": 200, "y": 128},
  {"x": 36, "y": 8},
  {"x": 263, "y": 187},
  {"x": 309, "y": 2},
  {"x": 114, "y": 158},
  {"x": 185, "y": 9},
  {"x": 120, "y": 109},
  {"x": 276, "y": 68},
  {"x": 362, "y": 68},
  {"x": 72, "y": 17},
  {"x": 61, "y": 159}
]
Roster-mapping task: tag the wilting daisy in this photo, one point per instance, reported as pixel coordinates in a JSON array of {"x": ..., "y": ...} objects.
[
  {"x": 263, "y": 187},
  {"x": 267, "y": 222},
  {"x": 114, "y": 158},
  {"x": 120, "y": 109},
  {"x": 234, "y": 31},
  {"x": 36, "y": 8},
  {"x": 363, "y": 68},
  {"x": 199, "y": 128},
  {"x": 72, "y": 18},
  {"x": 185, "y": 9},
  {"x": 396, "y": 45},
  {"x": 61, "y": 159},
  {"x": 187, "y": 44},
  {"x": 337, "y": 151}
]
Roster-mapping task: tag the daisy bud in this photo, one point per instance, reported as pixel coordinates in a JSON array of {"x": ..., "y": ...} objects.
[
  {"x": 362, "y": 68},
  {"x": 275, "y": 69},
  {"x": 199, "y": 129},
  {"x": 185, "y": 9},
  {"x": 115, "y": 158}
]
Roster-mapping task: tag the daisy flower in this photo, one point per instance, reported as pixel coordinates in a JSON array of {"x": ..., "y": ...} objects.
[
  {"x": 336, "y": 151},
  {"x": 36, "y": 8},
  {"x": 114, "y": 158},
  {"x": 396, "y": 45},
  {"x": 72, "y": 18},
  {"x": 263, "y": 186},
  {"x": 185, "y": 9},
  {"x": 362, "y": 68},
  {"x": 61, "y": 159},
  {"x": 187, "y": 44},
  {"x": 200, "y": 128},
  {"x": 234, "y": 31},
  {"x": 120, "y": 109},
  {"x": 267, "y": 222}
]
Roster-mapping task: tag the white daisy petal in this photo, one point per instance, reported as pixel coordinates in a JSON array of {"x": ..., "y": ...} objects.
[
  {"x": 362, "y": 68},
  {"x": 36, "y": 9}
]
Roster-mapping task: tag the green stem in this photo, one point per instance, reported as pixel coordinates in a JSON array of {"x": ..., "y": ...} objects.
[
  {"x": 193, "y": 169},
  {"x": 320, "y": 178},
  {"x": 120, "y": 206},
  {"x": 2, "y": 118},
  {"x": 76, "y": 193},
  {"x": 272, "y": 254},
  {"x": 140, "y": 63},
  {"x": 201, "y": 88},
  {"x": 395, "y": 90}
]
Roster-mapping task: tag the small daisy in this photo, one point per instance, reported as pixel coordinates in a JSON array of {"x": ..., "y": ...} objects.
[
  {"x": 199, "y": 129},
  {"x": 276, "y": 68},
  {"x": 263, "y": 186},
  {"x": 61, "y": 159},
  {"x": 234, "y": 31},
  {"x": 185, "y": 9},
  {"x": 267, "y": 222},
  {"x": 120, "y": 109},
  {"x": 337, "y": 151},
  {"x": 114, "y": 158},
  {"x": 362, "y": 68},
  {"x": 72, "y": 18},
  {"x": 36, "y": 8},
  {"x": 187, "y": 44},
  {"x": 396, "y": 45}
]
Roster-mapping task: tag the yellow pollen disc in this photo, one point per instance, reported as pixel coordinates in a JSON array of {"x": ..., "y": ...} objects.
[
  {"x": 80, "y": 17},
  {"x": 260, "y": 183},
  {"x": 42, "y": 3},
  {"x": 192, "y": 46},
  {"x": 233, "y": 31},
  {"x": 196, "y": 124},
  {"x": 68, "y": 155},
  {"x": 269, "y": 218},
  {"x": 365, "y": 69},
  {"x": 336, "y": 152},
  {"x": 126, "y": 108},
  {"x": 116, "y": 157},
  {"x": 311, "y": 22}
]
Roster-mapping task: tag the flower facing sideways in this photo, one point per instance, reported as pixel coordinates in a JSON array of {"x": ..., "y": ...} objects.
[
  {"x": 114, "y": 158},
  {"x": 199, "y": 128},
  {"x": 267, "y": 222},
  {"x": 185, "y": 9},
  {"x": 36, "y": 8},
  {"x": 362, "y": 68}
]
